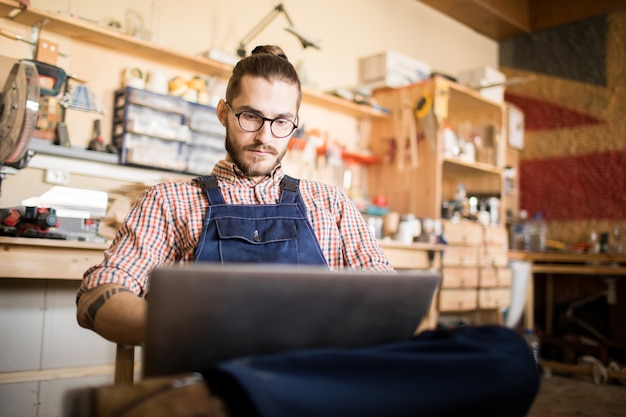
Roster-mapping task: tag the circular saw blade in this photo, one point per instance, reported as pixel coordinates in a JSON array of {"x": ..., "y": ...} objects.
[{"x": 19, "y": 107}]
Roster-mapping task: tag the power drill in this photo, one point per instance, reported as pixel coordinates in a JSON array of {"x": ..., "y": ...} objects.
[{"x": 27, "y": 220}]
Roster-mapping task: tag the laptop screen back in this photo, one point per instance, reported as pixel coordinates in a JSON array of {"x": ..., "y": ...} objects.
[{"x": 204, "y": 313}]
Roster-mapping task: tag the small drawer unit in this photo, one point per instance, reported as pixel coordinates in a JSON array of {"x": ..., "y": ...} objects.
[
  {"x": 459, "y": 277},
  {"x": 460, "y": 255},
  {"x": 495, "y": 277},
  {"x": 206, "y": 147},
  {"x": 166, "y": 132},
  {"x": 457, "y": 300},
  {"x": 475, "y": 273},
  {"x": 462, "y": 232},
  {"x": 496, "y": 298},
  {"x": 156, "y": 152},
  {"x": 407, "y": 258},
  {"x": 493, "y": 256},
  {"x": 496, "y": 236}
]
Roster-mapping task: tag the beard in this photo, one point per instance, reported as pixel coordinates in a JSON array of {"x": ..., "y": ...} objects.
[{"x": 254, "y": 167}]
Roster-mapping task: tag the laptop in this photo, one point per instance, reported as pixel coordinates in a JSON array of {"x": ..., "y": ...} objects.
[{"x": 201, "y": 314}]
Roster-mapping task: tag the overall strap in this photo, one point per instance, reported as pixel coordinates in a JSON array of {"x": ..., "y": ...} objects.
[
  {"x": 212, "y": 189},
  {"x": 289, "y": 189}
]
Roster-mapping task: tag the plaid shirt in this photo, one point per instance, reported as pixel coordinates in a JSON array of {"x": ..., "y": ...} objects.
[{"x": 164, "y": 225}]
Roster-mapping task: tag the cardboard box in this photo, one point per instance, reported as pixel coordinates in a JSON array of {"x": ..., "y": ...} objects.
[
  {"x": 391, "y": 69},
  {"x": 485, "y": 76}
]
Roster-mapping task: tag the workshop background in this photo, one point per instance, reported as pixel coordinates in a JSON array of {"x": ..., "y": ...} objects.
[
  {"x": 40, "y": 314},
  {"x": 573, "y": 165}
]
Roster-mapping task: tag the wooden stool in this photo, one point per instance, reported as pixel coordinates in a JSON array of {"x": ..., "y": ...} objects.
[{"x": 124, "y": 365}]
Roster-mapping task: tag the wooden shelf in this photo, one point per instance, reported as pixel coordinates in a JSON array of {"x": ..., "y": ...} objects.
[
  {"x": 463, "y": 97},
  {"x": 459, "y": 167},
  {"x": 338, "y": 104},
  {"x": 111, "y": 38},
  {"x": 422, "y": 189}
]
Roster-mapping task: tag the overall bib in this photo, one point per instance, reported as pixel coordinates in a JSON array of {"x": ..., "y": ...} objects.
[{"x": 258, "y": 233}]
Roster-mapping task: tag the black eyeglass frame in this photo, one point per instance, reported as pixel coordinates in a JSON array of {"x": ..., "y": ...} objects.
[{"x": 265, "y": 119}]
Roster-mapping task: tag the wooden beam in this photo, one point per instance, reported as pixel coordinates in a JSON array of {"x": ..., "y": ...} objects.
[
  {"x": 496, "y": 19},
  {"x": 545, "y": 14},
  {"x": 503, "y": 19},
  {"x": 515, "y": 13}
]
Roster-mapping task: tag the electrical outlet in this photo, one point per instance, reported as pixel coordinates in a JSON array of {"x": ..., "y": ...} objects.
[{"x": 57, "y": 176}]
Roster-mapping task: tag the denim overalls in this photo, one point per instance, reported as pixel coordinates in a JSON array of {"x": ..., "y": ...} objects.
[
  {"x": 478, "y": 370},
  {"x": 258, "y": 233}
]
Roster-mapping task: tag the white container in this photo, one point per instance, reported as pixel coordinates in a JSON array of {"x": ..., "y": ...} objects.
[
  {"x": 484, "y": 77},
  {"x": 519, "y": 232},
  {"x": 391, "y": 69},
  {"x": 407, "y": 229},
  {"x": 450, "y": 143},
  {"x": 494, "y": 210},
  {"x": 536, "y": 231},
  {"x": 519, "y": 283}
]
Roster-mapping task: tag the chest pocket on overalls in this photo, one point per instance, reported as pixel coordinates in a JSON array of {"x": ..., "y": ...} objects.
[{"x": 255, "y": 231}]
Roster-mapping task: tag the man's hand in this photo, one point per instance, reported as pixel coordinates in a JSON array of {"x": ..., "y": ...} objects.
[{"x": 114, "y": 312}]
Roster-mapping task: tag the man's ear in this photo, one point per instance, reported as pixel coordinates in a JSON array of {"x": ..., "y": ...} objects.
[{"x": 222, "y": 112}]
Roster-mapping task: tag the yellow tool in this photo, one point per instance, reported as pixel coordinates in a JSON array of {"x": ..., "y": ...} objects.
[
  {"x": 423, "y": 106},
  {"x": 426, "y": 118}
]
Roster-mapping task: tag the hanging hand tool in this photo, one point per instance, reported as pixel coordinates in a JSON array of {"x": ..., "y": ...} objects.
[
  {"x": 426, "y": 118},
  {"x": 38, "y": 44},
  {"x": 97, "y": 141},
  {"x": 400, "y": 136},
  {"x": 412, "y": 133},
  {"x": 406, "y": 135}
]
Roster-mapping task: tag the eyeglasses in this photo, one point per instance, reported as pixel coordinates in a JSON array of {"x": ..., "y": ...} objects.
[{"x": 253, "y": 122}]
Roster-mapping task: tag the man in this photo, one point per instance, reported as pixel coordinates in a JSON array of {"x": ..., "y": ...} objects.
[
  {"x": 176, "y": 222},
  {"x": 260, "y": 114}
]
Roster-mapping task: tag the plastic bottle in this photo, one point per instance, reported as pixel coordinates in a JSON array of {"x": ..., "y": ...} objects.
[
  {"x": 533, "y": 343},
  {"x": 594, "y": 243},
  {"x": 536, "y": 234},
  {"x": 618, "y": 243},
  {"x": 450, "y": 142},
  {"x": 518, "y": 231}
]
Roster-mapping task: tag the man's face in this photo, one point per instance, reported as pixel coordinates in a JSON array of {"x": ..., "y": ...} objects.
[{"x": 256, "y": 154}]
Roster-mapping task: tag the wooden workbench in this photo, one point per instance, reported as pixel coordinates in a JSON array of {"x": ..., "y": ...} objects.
[
  {"x": 54, "y": 259},
  {"x": 68, "y": 259},
  {"x": 47, "y": 258},
  {"x": 562, "y": 263}
]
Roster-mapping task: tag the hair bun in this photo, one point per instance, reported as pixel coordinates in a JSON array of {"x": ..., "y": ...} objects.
[{"x": 270, "y": 49}]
